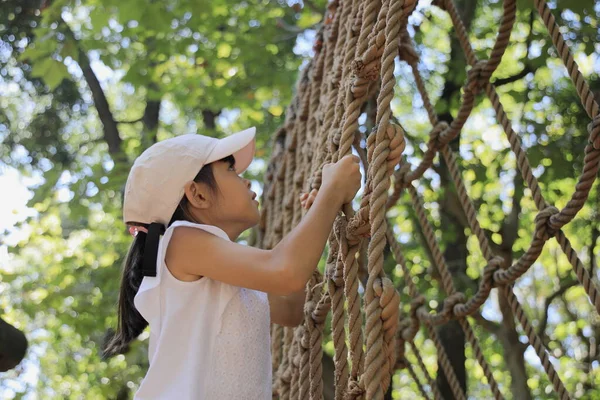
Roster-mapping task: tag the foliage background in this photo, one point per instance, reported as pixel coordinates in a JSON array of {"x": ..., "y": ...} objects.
[{"x": 87, "y": 85}]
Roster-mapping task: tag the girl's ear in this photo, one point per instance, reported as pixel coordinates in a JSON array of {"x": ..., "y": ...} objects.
[{"x": 198, "y": 195}]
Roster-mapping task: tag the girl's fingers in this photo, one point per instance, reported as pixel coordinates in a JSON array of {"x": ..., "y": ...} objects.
[{"x": 307, "y": 199}]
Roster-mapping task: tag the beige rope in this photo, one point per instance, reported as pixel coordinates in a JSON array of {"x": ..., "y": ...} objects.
[{"x": 354, "y": 60}]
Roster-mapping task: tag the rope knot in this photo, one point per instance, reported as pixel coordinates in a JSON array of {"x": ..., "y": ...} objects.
[
  {"x": 368, "y": 65},
  {"x": 303, "y": 336},
  {"x": 437, "y": 136},
  {"x": 335, "y": 272},
  {"x": 411, "y": 324},
  {"x": 321, "y": 310},
  {"x": 337, "y": 137},
  {"x": 299, "y": 335},
  {"x": 543, "y": 226},
  {"x": 395, "y": 134},
  {"x": 335, "y": 76},
  {"x": 476, "y": 78},
  {"x": 365, "y": 71},
  {"x": 355, "y": 389},
  {"x": 389, "y": 300},
  {"x": 452, "y": 304},
  {"x": 495, "y": 264},
  {"x": 309, "y": 307},
  {"x": 358, "y": 227},
  {"x": 594, "y": 131}
]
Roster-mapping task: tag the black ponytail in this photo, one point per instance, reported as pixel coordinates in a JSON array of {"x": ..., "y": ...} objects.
[{"x": 130, "y": 322}]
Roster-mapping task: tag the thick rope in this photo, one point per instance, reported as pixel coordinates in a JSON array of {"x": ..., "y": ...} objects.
[{"x": 355, "y": 55}]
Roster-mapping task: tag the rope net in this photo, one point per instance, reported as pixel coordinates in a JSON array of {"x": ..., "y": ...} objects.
[{"x": 352, "y": 72}]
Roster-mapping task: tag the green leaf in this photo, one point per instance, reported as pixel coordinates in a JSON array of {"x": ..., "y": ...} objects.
[
  {"x": 156, "y": 18},
  {"x": 36, "y": 51},
  {"x": 99, "y": 18},
  {"x": 129, "y": 10},
  {"x": 69, "y": 49},
  {"x": 55, "y": 74},
  {"x": 51, "y": 71},
  {"x": 40, "y": 68}
]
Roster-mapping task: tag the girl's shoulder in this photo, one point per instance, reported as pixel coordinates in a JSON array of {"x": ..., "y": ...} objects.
[
  {"x": 215, "y": 230},
  {"x": 176, "y": 256}
]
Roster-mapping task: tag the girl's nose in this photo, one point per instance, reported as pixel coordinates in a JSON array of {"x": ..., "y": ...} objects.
[{"x": 248, "y": 183}]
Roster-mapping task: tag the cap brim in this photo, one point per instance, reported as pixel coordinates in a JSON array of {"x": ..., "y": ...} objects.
[{"x": 240, "y": 145}]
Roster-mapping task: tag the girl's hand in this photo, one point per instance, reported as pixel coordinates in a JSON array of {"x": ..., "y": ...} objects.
[
  {"x": 307, "y": 199},
  {"x": 341, "y": 180}
]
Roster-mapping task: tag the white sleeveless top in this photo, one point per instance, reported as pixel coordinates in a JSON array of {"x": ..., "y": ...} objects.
[{"x": 208, "y": 340}]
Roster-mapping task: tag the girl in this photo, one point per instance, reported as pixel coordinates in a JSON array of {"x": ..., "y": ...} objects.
[{"x": 209, "y": 301}]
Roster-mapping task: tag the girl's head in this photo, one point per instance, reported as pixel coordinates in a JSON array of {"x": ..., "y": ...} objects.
[
  {"x": 160, "y": 190},
  {"x": 219, "y": 196}
]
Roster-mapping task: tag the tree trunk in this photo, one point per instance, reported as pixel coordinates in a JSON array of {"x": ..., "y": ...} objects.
[
  {"x": 514, "y": 351},
  {"x": 451, "y": 334},
  {"x": 210, "y": 118},
  {"x": 150, "y": 121},
  {"x": 452, "y": 216}
]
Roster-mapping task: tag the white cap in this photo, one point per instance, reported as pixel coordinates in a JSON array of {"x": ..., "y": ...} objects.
[{"x": 155, "y": 184}]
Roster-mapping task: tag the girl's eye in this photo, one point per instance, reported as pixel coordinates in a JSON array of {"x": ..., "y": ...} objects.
[{"x": 232, "y": 168}]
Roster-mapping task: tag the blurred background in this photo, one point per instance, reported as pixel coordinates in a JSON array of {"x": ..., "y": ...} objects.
[{"x": 86, "y": 86}]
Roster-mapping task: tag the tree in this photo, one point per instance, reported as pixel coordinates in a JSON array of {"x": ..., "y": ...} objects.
[
  {"x": 85, "y": 86},
  {"x": 96, "y": 83}
]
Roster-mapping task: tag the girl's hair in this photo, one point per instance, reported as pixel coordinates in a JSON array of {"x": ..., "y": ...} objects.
[{"x": 130, "y": 322}]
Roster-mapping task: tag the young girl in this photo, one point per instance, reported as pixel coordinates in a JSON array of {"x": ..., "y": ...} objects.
[{"x": 208, "y": 300}]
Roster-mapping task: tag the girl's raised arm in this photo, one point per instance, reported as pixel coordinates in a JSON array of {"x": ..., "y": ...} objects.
[{"x": 286, "y": 268}]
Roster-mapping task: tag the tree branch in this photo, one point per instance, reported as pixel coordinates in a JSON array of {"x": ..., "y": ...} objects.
[
  {"x": 503, "y": 81},
  {"x": 150, "y": 120},
  {"x": 584, "y": 339},
  {"x": 510, "y": 226},
  {"x": 490, "y": 326},
  {"x": 110, "y": 129},
  {"x": 564, "y": 286},
  {"x": 210, "y": 118},
  {"x": 295, "y": 29},
  {"x": 135, "y": 121}
]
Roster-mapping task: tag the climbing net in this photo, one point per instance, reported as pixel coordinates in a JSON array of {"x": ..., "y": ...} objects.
[{"x": 355, "y": 55}]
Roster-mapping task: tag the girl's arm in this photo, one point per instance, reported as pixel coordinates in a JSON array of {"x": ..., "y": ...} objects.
[
  {"x": 287, "y": 310},
  {"x": 286, "y": 268}
]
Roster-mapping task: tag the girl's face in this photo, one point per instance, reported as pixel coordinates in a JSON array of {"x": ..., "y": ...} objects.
[{"x": 234, "y": 207}]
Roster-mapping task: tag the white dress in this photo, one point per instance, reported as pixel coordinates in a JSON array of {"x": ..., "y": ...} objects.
[{"x": 208, "y": 339}]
